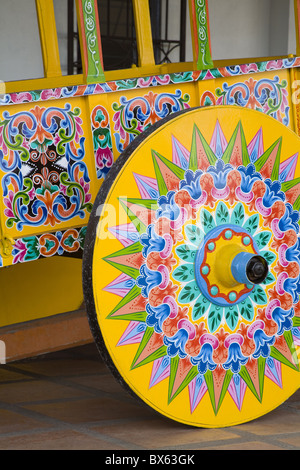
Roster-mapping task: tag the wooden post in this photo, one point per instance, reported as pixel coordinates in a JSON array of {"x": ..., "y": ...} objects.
[
  {"x": 143, "y": 32},
  {"x": 200, "y": 34},
  {"x": 48, "y": 35},
  {"x": 90, "y": 41}
]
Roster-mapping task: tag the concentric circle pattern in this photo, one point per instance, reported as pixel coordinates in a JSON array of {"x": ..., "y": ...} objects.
[{"x": 188, "y": 331}]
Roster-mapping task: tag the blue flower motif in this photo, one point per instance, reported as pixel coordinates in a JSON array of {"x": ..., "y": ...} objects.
[
  {"x": 204, "y": 360},
  {"x": 292, "y": 286},
  {"x": 168, "y": 207},
  {"x": 289, "y": 220},
  {"x": 148, "y": 279},
  {"x": 272, "y": 193},
  {"x": 219, "y": 173},
  {"x": 177, "y": 343},
  {"x": 157, "y": 315},
  {"x": 293, "y": 253},
  {"x": 235, "y": 358},
  {"x": 262, "y": 344},
  {"x": 151, "y": 241},
  {"x": 249, "y": 175},
  {"x": 192, "y": 183},
  {"x": 283, "y": 318}
]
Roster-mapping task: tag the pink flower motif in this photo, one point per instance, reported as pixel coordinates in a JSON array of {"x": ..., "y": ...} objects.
[
  {"x": 47, "y": 94},
  {"x": 31, "y": 194},
  {"x": 104, "y": 158},
  {"x": 21, "y": 97},
  {"x": 118, "y": 127},
  {"x": 26, "y": 144},
  {"x": 63, "y": 189},
  {"x": 79, "y": 131},
  {"x": 20, "y": 251},
  {"x": 8, "y": 213},
  {"x": 284, "y": 102},
  {"x": 86, "y": 188},
  {"x": 8, "y": 201},
  {"x": 88, "y": 197},
  {"x": 274, "y": 64},
  {"x": 2, "y": 143},
  {"x": 56, "y": 139},
  {"x": 246, "y": 68}
]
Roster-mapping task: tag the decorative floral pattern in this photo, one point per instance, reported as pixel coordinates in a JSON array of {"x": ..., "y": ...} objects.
[
  {"x": 267, "y": 95},
  {"x": 45, "y": 180},
  {"x": 24, "y": 135},
  {"x": 191, "y": 292},
  {"x": 102, "y": 141},
  {"x": 135, "y": 115},
  {"x": 67, "y": 243},
  {"x": 153, "y": 81},
  {"x": 201, "y": 32},
  {"x": 192, "y": 341}
]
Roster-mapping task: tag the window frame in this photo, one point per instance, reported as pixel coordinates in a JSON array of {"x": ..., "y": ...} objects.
[{"x": 146, "y": 62}]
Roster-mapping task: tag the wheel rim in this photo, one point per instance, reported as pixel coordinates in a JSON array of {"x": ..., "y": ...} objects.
[{"x": 200, "y": 344}]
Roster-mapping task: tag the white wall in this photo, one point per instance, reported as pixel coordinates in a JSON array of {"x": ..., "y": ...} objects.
[
  {"x": 245, "y": 33},
  {"x": 253, "y": 28},
  {"x": 61, "y": 18},
  {"x": 20, "y": 50}
]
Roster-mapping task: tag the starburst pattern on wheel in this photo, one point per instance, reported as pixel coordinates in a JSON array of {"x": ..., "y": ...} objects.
[{"x": 199, "y": 332}]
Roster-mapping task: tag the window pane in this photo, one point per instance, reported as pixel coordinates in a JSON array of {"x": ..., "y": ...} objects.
[
  {"x": 67, "y": 36},
  {"x": 168, "y": 20},
  {"x": 20, "y": 52},
  {"x": 117, "y": 34},
  {"x": 256, "y": 28}
]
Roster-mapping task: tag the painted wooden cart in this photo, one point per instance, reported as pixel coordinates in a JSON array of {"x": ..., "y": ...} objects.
[{"x": 179, "y": 186}]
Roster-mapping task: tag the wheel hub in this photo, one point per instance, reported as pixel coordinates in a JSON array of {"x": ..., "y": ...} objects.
[{"x": 228, "y": 265}]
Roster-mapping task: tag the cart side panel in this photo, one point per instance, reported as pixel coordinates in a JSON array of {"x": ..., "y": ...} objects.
[
  {"x": 47, "y": 170},
  {"x": 133, "y": 111},
  {"x": 268, "y": 92}
]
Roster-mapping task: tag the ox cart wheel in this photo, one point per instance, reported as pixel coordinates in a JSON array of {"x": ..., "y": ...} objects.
[{"x": 191, "y": 266}]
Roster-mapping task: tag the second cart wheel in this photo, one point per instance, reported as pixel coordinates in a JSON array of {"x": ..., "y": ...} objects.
[{"x": 191, "y": 266}]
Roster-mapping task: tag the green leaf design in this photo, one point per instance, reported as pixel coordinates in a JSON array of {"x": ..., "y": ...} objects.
[
  {"x": 258, "y": 295},
  {"x": 262, "y": 239},
  {"x": 186, "y": 253},
  {"x": 214, "y": 317},
  {"x": 207, "y": 220},
  {"x": 222, "y": 214},
  {"x": 184, "y": 273},
  {"x": 200, "y": 307},
  {"x": 189, "y": 293},
  {"x": 269, "y": 256},
  {"x": 232, "y": 316},
  {"x": 238, "y": 214},
  {"x": 269, "y": 279},
  {"x": 32, "y": 245},
  {"x": 251, "y": 224},
  {"x": 246, "y": 309},
  {"x": 194, "y": 234}
]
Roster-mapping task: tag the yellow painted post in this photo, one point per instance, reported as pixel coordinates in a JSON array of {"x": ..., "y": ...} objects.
[
  {"x": 143, "y": 32},
  {"x": 48, "y": 35}
]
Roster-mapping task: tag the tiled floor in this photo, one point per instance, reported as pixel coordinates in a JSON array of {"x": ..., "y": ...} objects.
[{"x": 69, "y": 400}]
